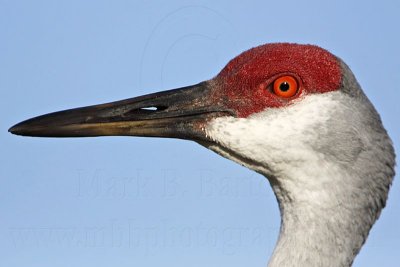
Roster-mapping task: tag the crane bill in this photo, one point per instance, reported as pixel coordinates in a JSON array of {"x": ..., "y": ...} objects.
[{"x": 177, "y": 113}]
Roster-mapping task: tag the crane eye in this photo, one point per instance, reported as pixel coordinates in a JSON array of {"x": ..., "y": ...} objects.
[{"x": 285, "y": 86}]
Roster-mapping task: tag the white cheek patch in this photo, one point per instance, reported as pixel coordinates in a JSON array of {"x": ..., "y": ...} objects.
[{"x": 278, "y": 138}]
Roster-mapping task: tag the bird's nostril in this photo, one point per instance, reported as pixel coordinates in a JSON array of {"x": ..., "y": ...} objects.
[
  {"x": 145, "y": 110},
  {"x": 150, "y": 108},
  {"x": 154, "y": 108}
]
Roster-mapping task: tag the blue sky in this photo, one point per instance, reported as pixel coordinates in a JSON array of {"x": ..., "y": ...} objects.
[{"x": 147, "y": 202}]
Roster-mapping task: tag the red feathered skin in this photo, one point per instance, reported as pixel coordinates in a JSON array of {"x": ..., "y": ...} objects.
[{"x": 244, "y": 85}]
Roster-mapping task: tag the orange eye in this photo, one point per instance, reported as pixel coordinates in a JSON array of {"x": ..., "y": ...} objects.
[{"x": 286, "y": 86}]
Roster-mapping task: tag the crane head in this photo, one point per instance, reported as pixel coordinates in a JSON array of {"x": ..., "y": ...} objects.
[
  {"x": 276, "y": 108},
  {"x": 266, "y": 77}
]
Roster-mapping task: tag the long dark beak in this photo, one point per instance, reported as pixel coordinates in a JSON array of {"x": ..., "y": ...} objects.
[{"x": 178, "y": 113}]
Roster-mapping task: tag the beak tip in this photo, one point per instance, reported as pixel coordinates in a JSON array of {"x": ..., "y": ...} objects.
[
  {"x": 21, "y": 128},
  {"x": 15, "y": 130}
]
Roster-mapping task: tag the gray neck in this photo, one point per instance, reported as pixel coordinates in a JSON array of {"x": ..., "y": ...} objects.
[
  {"x": 327, "y": 225},
  {"x": 313, "y": 235}
]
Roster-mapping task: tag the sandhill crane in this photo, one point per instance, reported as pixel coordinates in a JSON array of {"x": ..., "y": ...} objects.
[{"x": 293, "y": 113}]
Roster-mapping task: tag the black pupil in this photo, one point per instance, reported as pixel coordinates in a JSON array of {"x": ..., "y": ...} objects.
[{"x": 284, "y": 86}]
